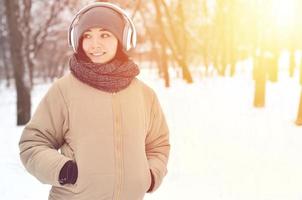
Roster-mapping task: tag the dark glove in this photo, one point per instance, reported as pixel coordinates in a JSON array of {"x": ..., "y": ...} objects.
[
  {"x": 68, "y": 173},
  {"x": 152, "y": 182}
]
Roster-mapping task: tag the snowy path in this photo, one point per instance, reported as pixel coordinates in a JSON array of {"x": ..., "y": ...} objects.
[{"x": 221, "y": 147}]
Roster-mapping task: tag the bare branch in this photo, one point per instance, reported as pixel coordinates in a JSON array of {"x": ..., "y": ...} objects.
[{"x": 41, "y": 34}]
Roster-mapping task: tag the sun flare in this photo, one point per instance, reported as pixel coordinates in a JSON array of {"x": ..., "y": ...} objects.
[{"x": 284, "y": 13}]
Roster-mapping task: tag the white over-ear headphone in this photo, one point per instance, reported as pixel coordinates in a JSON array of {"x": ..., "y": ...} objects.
[{"x": 129, "y": 33}]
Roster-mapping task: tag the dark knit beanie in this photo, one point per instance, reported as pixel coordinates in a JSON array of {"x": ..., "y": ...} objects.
[{"x": 103, "y": 17}]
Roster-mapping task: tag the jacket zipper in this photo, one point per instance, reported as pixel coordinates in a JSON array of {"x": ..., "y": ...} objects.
[{"x": 118, "y": 147}]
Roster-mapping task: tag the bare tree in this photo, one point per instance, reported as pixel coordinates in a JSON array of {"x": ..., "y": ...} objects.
[
  {"x": 160, "y": 48},
  {"x": 16, "y": 40},
  {"x": 172, "y": 41},
  {"x": 300, "y": 72},
  {"x": 25, "y": 45},
  {"x": 292, "y": 63},
  {"x": 299, "y": 117},
  {"x": 5, "y": 64},
  {"x": 259, "y": 61},
  {"x": 35, "y": 33}
]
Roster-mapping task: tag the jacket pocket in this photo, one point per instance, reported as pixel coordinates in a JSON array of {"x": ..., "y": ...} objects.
[
  {"x": 67, "y": 151},
  {"x": 147, "y": 176}
]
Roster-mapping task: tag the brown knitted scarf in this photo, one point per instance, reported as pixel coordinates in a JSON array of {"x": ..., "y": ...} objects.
[{"x": 109, "y": 77}]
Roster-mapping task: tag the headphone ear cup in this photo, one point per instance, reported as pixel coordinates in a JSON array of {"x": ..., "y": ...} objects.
[
  {"x": 127, "y": 37},
  {"x": 133, "y": 38},
  {"x": 71, "y": 39}
]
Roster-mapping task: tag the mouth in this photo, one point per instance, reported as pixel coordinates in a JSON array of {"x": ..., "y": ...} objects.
[{"x": 98, "y": 54}]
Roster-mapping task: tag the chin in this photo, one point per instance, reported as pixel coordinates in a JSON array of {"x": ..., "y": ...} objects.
[
  {"x": 98, "y": 62},
  {"x": 101, "y": 61}
]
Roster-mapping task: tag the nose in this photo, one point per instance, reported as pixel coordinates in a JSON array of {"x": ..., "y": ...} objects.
[{"x": 96, "y": 43}]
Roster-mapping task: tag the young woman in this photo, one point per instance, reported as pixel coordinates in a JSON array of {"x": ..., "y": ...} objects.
[{"x": 108, "y": 125}]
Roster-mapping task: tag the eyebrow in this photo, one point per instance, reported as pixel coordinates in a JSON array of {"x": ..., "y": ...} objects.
[{"x": 100, "y": 29}]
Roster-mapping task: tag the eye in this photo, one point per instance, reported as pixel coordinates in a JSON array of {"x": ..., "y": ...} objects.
[
  {"x": 86, "y": 36},
  {"x": 105, "y": 35}
]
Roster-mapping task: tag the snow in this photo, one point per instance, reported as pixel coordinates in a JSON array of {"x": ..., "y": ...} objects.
[{"x": 221, "y": 146}]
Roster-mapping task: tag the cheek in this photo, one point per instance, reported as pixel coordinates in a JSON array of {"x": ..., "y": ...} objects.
[
  {"x": 113, "y": 46},
  {"x": 85, "y": 45}
]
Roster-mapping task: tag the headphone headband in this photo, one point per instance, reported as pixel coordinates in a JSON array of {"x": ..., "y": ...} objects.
[{"x": 130, "y": 42}]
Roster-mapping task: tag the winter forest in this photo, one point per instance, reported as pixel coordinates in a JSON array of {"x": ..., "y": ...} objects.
[{"x": 228, "y": 74}]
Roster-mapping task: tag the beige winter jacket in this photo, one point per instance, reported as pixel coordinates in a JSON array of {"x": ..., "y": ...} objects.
[{"x": 115, "y": 138}]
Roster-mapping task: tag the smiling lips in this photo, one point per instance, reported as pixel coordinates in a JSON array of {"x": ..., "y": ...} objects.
[{"x": 98, "y": 54}]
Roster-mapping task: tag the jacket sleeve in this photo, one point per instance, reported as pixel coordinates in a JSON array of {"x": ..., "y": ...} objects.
[
  {"x": 157, "y": 144},
  {"x": 42, "y": 136}
]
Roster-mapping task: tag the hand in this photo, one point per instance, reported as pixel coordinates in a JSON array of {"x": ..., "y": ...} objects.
[{"x": 68, "y": 173}]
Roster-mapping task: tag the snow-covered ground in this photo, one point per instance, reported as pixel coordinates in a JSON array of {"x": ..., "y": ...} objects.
[{"x": 222, "y": 148}]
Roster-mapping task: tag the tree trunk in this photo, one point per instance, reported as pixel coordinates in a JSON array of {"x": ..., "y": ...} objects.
[
  {"x": 6, "y": 71},
  {"x": 232, "y": 45},
  {"x": 176, "y": 51},
  {"x": 299, "y": 118},
  {"x": 162, "y": 59},
  {"x": 15, "y": 39},
  {"x": 292, "y": 63},
  {"x": 260, "y": 82},
  {"x": 5, "y": 62},
  {"x": 164, "y": 63},
  {"x": 259, "y": 65},
  {"x": 183, "y": 42},
  {"x": 301, "y": 72},
  {"x": 273, "y": 67}
]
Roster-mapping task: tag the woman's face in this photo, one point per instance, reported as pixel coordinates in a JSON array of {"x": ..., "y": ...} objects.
[{"x": 99, "y": 45}]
